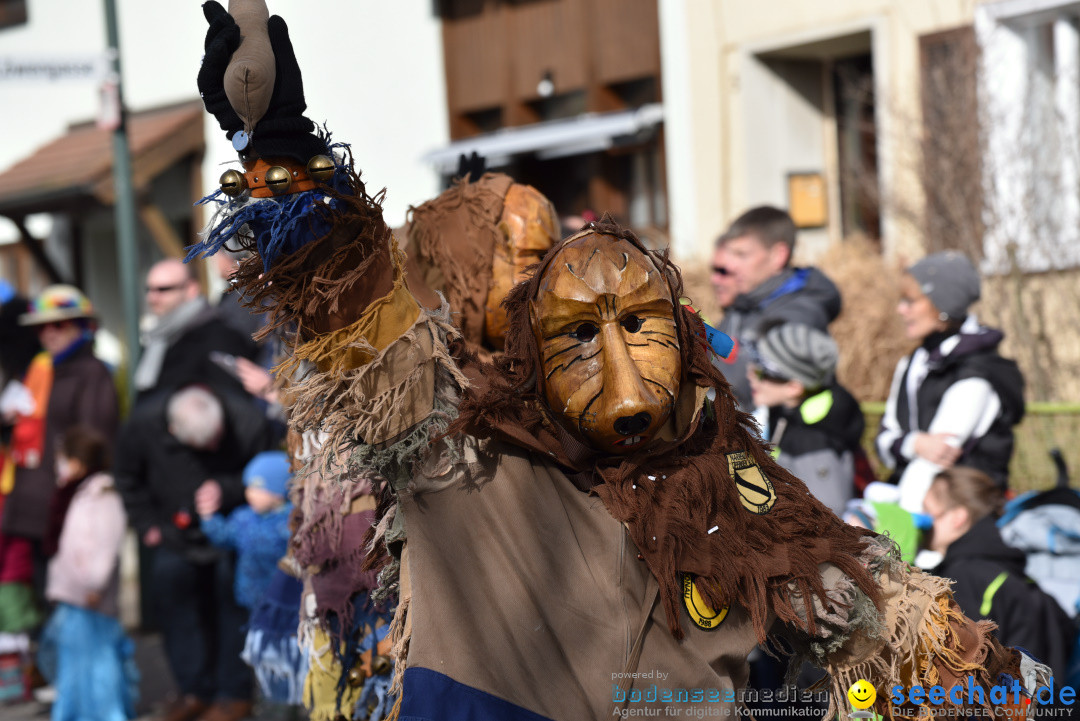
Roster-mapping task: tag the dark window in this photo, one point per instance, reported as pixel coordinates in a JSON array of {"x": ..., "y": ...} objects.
[
  {"x": 856, "y": 127},
  {"x": 12, "y": 12},
  {"x": 951, "y": 144}
]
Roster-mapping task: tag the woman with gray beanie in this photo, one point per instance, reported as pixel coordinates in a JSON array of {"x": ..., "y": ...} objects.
[{"x": 954, "y": 400}]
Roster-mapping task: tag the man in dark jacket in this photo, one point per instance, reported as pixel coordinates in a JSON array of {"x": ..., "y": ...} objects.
[
  {"x": 175, "y": 449},
  {"x": 184, "y": 333},
  {"x": 989, "y": 576},
  {"x": 754, "y": 256}
]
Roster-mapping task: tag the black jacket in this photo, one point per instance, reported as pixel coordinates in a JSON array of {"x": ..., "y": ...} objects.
[
  {"x": 818, "y": 443},
  {"x": 975, "y": 356},
  {"x": 989, "y": 573},
  {"x": 797, "y": 295},
  {"x": 157, "y": 475},
  {"x": 187, "y": 360}
]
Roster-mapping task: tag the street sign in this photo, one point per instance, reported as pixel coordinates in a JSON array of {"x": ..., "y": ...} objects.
[{"x": 52, "y": 68}]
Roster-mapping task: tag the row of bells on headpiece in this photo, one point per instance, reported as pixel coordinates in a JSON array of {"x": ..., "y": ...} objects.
[{"x": 278, "y": 178}]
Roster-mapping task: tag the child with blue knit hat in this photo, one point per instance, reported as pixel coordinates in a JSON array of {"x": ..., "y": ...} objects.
[{"x": 258, "y": 531}]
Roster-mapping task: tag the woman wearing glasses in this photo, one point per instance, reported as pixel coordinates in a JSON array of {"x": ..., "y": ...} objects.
[{"x": 954, "y": 400}]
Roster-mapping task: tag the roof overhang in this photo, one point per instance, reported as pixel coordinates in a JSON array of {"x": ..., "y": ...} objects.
[
  {"x": 75, "y": 169},
  {"x": 588, "y": 133}
]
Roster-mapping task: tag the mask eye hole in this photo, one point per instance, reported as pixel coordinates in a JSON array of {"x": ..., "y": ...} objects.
[
  {"x": 585, "y": 332},
  {"x": 631, "y": 323}
]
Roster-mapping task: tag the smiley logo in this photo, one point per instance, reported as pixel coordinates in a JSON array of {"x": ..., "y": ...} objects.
[{"x": 862, "y": 694}]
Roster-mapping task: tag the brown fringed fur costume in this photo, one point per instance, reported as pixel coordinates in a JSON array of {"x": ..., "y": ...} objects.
[{"x": 454, "y": 238}]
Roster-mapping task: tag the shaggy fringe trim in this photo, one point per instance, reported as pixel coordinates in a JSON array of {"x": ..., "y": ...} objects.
[
  {"x": 400, "y": 635},
  {"x": 321, "y": 501},
  {"x": 336, "y": 402},
  {"x": 852, "y": 613},
  {"x": 922, "y": 643},
  {"x": 457, "y": 232}
]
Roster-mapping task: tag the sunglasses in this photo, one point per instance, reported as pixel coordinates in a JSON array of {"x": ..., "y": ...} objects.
[
  {"x": 53, "y": 324},
  {"x": 163, "y": 288},
  {"x": 720, "y": 270},
  {"x": 763, "y": 374}
]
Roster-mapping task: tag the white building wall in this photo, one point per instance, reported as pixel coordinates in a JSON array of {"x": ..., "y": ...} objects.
[
  {"x": 372, "y": 70},
  {"x": 1031, "y": 106},
  {"x": 713, "y": 144}
]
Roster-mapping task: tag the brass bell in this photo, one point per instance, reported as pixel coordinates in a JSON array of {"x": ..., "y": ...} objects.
[
  {"x": 320, "y": 168},
  {"x": 278, "y": 179},
  {"x": 232, "y": 183},
  {"x": 380, "y": 665},
  {"x": 357, "y": 677}
]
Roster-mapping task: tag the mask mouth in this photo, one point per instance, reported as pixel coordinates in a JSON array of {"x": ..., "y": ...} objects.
[{"x": 626, "y": 442}]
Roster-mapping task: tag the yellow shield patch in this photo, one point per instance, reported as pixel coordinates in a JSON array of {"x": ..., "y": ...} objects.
[
  {"x": 699, "y": 612},
  {"x": 755, "y": 489}
]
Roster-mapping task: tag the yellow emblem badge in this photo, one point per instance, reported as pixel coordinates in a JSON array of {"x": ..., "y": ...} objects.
[
  {"x": 699, "y": 611},
  {"x": 755, "y": 489}
]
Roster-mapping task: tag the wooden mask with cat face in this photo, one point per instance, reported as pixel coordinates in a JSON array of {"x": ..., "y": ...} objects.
[{"x": 603, "y": 318}]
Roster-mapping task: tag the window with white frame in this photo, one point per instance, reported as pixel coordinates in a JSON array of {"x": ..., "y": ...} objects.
[{"x": 1029, "y": 123}]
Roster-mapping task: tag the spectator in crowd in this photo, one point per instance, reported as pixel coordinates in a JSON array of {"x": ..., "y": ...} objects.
[
  {"x": 78, "y": 391},
  {"x": 183, "y": 332},
  {"x": 90, "y": 660},
  {"x": 810, "y": 418},
  {"x": 755, "y": 255},
  {"x": 23, "y": 367},
  {"x": 259, "y": 530},
  {"x": 954, "y": 400},
  {"x": 230, "y": 307},
  {"x": 177, "y": 450},
  {"x": 259, "y": 534},
  {"x": 18, "y": 343},
  {"x": 964, "y": 504},
  {"x": 723, "y": 281}
]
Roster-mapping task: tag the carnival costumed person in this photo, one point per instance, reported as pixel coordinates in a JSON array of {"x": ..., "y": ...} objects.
[
  {"x": 472, "y": 243},
  {"x": 591, "y": 503}
]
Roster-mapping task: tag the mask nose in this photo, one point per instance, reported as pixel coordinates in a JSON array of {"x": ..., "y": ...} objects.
[{"x": 632, "y": 425}]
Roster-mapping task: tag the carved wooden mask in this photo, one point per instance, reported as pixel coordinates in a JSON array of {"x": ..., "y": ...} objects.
[
  {"x": 529, "y": 227},
  {"x": 605, "y": 326}
]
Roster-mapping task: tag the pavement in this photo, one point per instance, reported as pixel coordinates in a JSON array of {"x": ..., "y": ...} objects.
[{"x": 156, "y": 686}]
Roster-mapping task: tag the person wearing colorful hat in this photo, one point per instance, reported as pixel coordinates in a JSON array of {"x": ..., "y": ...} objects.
[{"x": 78, "y": 389}]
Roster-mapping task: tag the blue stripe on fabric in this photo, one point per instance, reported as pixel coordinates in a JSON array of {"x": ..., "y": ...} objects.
[{"x": 431, "y": 696}]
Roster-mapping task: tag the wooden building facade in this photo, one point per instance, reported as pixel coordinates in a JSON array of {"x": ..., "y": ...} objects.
[{"x": 564, "y": 66}]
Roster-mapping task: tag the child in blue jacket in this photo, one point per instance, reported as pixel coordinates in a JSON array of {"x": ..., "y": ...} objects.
[{"x": 258, "y": 531}]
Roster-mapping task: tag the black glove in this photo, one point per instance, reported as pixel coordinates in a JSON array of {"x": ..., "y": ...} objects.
[
  {"x": 473, "y": 165},
  {"x": 283, "y": 131},
  {"x": 222, "y": 40}
]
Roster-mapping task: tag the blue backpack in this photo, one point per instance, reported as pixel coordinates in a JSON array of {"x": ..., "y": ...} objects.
[{"x": 1045, "y": 525}]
